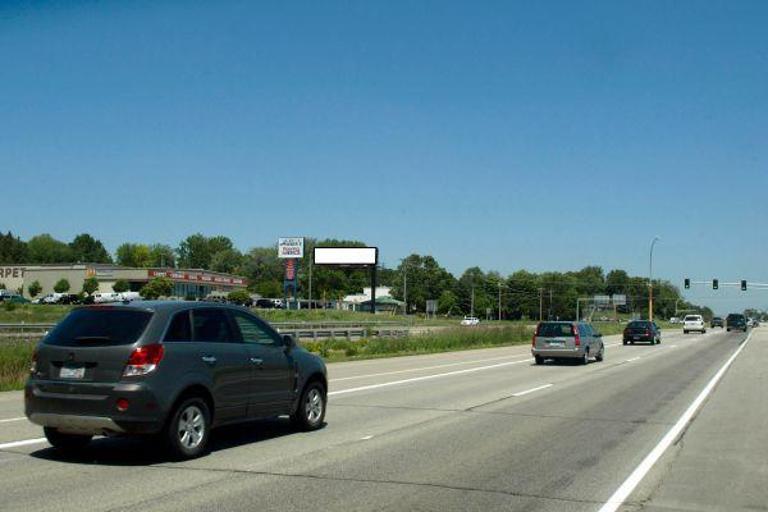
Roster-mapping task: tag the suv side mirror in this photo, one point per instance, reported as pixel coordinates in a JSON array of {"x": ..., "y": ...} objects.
[
  {"x": 598, "y": 335},
  {"x": 289, "y": 341}
]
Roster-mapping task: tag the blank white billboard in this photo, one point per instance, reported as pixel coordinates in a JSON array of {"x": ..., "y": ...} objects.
[{"x": 346, "y": 255}]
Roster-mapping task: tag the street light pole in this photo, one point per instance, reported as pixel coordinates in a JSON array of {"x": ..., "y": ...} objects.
[{"x": 650, "y": 279}]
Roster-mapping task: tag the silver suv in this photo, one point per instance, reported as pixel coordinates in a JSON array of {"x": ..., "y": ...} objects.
[
  {"x": 567, "y": 340},
  {"x": 177, "y": 369}
]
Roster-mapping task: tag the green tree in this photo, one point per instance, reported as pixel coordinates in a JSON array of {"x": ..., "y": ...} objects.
[
  {"x": 61, "y": 286},
  {"x": 90, "y": 285},
  {"x": 34, "y": 289},
  {"x": 133, "y": 255},
  {"x": 241, "y": 297},
  {"x": 46, "y": 249},
  {"x": 161, "y": 255},
  {"x": 12, "y": 249},
  {"x": 227, "y": 260},
  {"x": 121, "y": 285},
  {"x": 197, "y": 251},
  {"x": 447, "y": 302},
  {"x": 156, "y": 288},
  {"x": 86, "y": 249},
  {"x": 423, "y": 278}
]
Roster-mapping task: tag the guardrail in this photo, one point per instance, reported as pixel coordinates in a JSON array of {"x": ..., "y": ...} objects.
[{"x": 299, "y": 330}]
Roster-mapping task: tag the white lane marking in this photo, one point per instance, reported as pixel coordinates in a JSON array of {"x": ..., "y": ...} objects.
[
  {"x": 423, "y": 368},
  {"x": 12, "y": 419},
  {"x": 365, "y": 438},
  {"x": 632, "y": 359},
  {"x": 25, "y": 442},
  {"x": 427, "y": 377},
  {"x": 533, "y": 390},
  {"x": 626, "y": 488}
]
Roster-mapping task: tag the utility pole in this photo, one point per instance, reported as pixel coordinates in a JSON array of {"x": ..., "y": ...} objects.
[
  {"x": 650, "y": 279},
  {"x": 472, "y": 304},
  {"x": 541, "y": 304},
  {"x": 549, "y": 314},
  {"x": 405, "y": 287},
  {"x": 310, "y": 282},
  {"x": 499, "y": 301}
]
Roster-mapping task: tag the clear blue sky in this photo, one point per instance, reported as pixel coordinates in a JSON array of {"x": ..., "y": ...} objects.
[{"x": 537, "y": 135}]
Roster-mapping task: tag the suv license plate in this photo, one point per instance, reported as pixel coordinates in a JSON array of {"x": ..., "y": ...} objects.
[{"x": 72, "y": 373}]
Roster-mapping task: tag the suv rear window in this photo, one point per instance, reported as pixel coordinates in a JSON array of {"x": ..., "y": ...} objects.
[
  {"x": 99, "y": 327},
  {"x": 733, "y": 317},
  {"x": 692, "y": 318},
  {"x": 639, "y": 325},
  {"x": 554, "y": 330}
]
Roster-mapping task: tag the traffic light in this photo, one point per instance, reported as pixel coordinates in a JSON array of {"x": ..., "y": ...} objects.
[
  {"x": 743, "y": 285},
  {"x": 687, "y": 283},
  {"x": 714, "y": 284}
]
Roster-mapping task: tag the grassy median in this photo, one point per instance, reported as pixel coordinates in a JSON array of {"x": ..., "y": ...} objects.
[{"x": 15, "y": 356}]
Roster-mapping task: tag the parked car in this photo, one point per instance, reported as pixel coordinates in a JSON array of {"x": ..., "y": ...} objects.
[
  {"x": 265, "y": 304},
  {"x": 694, "y": 323},
  {"x": 470, "y": 320},
  {"x": 736, "y": 322},
  {"x": 756, "y": 322},
  {"x": 13, "y": 298},
  {"x": 51, "y": 298},
  {"x": 567, "y": 340},
  {"x": 177, "y": 369},
  {"x": 69, "y": 298},
  {"x": 674, "y": 320},
  {"x": 129, "y": 296},
  {"x": 717, "y": 322},
  {"x": 105, "y": 297},
  {"x": 642, "y": 330}
]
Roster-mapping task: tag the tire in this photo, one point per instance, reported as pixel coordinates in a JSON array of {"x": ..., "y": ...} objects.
[
  {"x": 728, "y": 330},
  {"x": 624, "y": 342},
  {"x": 600, "y": 355},
  {"x": 310, "y": 412},
  {"x": 685, "y": 332},
  {"x": 539, "y": 360},
  {"x": 585, "y": 359},
  {"x": 66, "y": 442},
  {"x": 188, "y": 429}
]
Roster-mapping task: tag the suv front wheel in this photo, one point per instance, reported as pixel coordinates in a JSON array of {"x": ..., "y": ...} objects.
[{"x": 310, "y": 412}]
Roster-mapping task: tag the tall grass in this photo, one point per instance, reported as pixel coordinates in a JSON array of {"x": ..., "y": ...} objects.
[
  {"x": 15, "y": 356},
  {"x": 441, "y": 341}
]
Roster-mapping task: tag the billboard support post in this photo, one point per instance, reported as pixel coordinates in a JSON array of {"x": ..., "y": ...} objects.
[{"x": 373, "y": 289}]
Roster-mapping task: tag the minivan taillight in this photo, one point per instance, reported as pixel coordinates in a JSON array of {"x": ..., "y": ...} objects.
[
  {"x": 533, "y": 341},
  {"x": 144, "y": 360},
  {"x": 576, "y": 337}
]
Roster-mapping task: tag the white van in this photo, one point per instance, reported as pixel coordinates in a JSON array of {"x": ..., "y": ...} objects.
[
  {"x": 103, "y": 297},
  {"x": 129, "y": 296}
]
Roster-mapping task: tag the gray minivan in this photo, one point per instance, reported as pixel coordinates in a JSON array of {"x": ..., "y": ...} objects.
[
  {"x": 567, "y": 340},
  {"x": 177, "y": 369}
]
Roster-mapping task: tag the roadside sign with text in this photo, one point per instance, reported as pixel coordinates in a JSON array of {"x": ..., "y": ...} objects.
[{"x": 290, "y": 247}]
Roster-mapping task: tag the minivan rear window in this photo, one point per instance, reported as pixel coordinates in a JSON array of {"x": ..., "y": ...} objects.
[
  {"x": 554, "y": 330},
  {"x": 99, "y": 327}
]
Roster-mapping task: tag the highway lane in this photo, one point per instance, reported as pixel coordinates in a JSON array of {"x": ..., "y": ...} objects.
[{"x": 461, "y": 431}]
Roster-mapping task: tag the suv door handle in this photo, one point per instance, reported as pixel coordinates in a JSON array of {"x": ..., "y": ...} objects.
[
  {"x": 209, "y": 359},
  {"x": 257, "y": 360}
]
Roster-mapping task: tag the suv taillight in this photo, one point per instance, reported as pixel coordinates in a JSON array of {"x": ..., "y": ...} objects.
[
  {"x": 33, "y": 364},
  {"x": 143, "y": 360},
  {"x": 576, "y": 337}
]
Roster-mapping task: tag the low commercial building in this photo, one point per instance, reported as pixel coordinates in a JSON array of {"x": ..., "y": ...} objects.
[{"x": 195, "y": 283}]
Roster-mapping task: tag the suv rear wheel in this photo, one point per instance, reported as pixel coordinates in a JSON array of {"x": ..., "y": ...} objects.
[
  {"x": 310, "y": 413},
  {"x": 66, "y": 442},
  {"x": 188, "y": 429}
]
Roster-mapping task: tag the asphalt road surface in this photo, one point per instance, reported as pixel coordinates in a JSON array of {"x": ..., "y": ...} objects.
[{"x": 475, "y": 430}]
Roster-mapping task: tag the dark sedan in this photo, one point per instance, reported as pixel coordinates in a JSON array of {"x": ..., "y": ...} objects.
[{"x": 642, "y": 330}]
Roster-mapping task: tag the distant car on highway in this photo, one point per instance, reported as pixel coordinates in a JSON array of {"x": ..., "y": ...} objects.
[
  {"x": 172, "y": 369},
  {"x": 641, "y": 330},
  {"x": 470, "y": 320},
  {"x": 567, "y": 340},
  {"x": 717, "y": 322},
  {"x": 674, "y": 320},
  {"x": 13, "y": 298},
  {"x": 736, "y": 322},
  {"x": 694, "y": 323}
]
